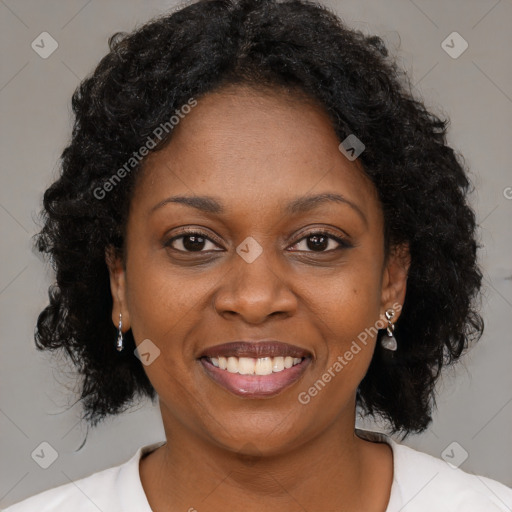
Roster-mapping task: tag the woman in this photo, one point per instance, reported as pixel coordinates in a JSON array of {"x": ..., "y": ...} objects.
[{"x": 258, "y": 224}]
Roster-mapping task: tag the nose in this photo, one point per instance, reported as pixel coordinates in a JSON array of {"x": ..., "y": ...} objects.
[{"x": 254, "y": 291}]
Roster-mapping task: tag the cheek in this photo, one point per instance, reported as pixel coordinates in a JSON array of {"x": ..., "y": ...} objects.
[
  {"x": 162, "y": 308},
  {"x": 157, "y": 300},
  {"x": 160, "y": 297},
  {"x": 348, "y": 316},
  {"x": 166, "y": 306},
  {"x": 352, "y": 299}
]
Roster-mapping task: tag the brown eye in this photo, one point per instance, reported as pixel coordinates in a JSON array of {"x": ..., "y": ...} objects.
[
  {"x": 321, "y": 241},
  {"x": 191, "y": 242}
]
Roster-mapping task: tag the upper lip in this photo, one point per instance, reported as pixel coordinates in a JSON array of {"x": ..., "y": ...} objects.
[{"x": 256, "y": 349}]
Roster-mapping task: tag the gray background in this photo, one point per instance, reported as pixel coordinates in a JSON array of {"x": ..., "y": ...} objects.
[{"x": 37, "y": 391}]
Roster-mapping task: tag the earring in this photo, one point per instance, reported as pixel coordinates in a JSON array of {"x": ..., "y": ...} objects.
[
  {"x": 119, "y": 344},
  {"x": 389, "y": 341}
]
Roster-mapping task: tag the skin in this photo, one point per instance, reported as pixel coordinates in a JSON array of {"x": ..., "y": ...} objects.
[{"x": 256, "y": 151}]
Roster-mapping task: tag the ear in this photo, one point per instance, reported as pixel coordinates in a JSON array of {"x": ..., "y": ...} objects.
[
  {"x": 117, "y": 287},
  {"x": 394, "y": 281}
]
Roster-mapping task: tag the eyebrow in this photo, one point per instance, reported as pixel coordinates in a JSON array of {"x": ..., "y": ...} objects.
[{"x": 208, "y": 204}]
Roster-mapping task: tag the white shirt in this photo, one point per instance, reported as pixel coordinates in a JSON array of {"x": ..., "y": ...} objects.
[{"x": 421, "y": 483}]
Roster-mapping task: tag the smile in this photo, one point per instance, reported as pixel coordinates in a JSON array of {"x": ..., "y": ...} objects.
[
  {"x": 249, "y": 377},
  {"x": 254, "y": 366}
]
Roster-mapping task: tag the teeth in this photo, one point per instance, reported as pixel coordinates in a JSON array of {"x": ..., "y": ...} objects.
[
  {"x": 278, "y": 364},
  {"x": 263, "y": 366},
  {"x": 245, "y": 365},
  {"x": 252, "y": 366},
  {"x": 232, "y": 364}
]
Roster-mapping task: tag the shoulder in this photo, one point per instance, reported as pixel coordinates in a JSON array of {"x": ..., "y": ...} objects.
[
  {"x": 423, "y": 483},
  {"x": 90, "y": 493},
  {"x": 114, "y": 489},
  {"x": 429, "y": 483}
]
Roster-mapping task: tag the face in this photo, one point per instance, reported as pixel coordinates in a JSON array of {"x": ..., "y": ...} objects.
[{"x": 259, "y": 260}]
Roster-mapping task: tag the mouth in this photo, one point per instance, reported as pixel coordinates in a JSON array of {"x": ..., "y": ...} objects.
[{"x": 255, "y": 369}]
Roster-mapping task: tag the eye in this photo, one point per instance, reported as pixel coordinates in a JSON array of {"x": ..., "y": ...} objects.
[
  {"x": 322, "y": 241},
  {"x": 197, "y": 241},
  {"x": 191, "y": 241}
]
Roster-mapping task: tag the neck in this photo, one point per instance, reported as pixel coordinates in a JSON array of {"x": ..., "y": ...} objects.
[{"x": 190, "y": 471}]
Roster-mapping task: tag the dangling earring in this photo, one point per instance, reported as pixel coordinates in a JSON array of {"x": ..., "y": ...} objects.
[
  {"x": 119, "y": 344},
  {"x": 389, "y": 341}
]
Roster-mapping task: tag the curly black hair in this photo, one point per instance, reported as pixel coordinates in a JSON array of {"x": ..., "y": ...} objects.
[{"x": 295, "y": 45}]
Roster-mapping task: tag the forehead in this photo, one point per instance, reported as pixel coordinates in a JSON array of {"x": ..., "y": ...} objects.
[{"x": 254, "y": 148}]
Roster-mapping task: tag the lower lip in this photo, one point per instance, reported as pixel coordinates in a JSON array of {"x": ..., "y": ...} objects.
[{"x": 256, "y": 386}]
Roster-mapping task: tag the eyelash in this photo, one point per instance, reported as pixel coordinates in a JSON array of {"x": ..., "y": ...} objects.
[{"x": 344, "y": 244}]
